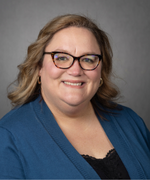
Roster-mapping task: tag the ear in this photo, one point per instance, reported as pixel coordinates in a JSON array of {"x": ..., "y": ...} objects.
[
  {"x": 40, "y": 71},
  {"x": 40, "y": 66}
]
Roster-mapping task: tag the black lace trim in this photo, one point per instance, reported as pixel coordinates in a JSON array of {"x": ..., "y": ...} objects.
[
  {"x": 110, "y": 167},
  {"x": 93, "y": 158}
]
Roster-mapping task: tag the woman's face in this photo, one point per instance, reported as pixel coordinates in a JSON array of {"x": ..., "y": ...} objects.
[{"x": 62, "y": 88}]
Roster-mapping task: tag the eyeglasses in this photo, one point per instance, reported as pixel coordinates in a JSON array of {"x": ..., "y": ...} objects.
[{"x": 63, "y": 60}]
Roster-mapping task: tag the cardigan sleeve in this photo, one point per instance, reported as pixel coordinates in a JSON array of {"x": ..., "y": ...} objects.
[{"x": 10, "y": 164}]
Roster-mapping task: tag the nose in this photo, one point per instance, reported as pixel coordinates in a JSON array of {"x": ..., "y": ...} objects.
[{"x": 75, "y": 69}]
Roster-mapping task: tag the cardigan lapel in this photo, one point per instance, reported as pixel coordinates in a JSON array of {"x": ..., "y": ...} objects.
[{"x": 121, "y": 144}]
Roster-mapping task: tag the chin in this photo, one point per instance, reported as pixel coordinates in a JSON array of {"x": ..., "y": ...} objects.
[
  {"x": 76, "y": 101},
  {"x": 73, "y": 104}
]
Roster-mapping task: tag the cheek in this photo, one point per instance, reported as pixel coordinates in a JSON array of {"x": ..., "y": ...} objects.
[
  {"x": 95, "y": 76},
  {"x": 50, "y": 71}
]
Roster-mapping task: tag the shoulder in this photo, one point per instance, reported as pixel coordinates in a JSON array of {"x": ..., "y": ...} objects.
[
  {"x": 18, "y": 117},
  {"x": 18, "y": 131},
  {"x": 125, "y": 119},
  {"x": 125, "y": 114},
  {"x": 129, "y": 122},
  {"x": 128, "y": 114},
  {"x": 25, "y": 120},
  {"x": 123, "y": 111},
  {"x": 19, "y": 127}
]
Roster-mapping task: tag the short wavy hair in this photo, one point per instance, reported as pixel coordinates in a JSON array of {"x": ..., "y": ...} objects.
[{"x": 27, "y": 87}]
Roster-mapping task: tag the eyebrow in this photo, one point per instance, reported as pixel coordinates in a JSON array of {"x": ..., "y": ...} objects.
[{"x": 65, "y": 51}]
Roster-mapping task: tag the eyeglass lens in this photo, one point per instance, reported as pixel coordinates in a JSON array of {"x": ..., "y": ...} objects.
[{"x": 88, "y": 62}]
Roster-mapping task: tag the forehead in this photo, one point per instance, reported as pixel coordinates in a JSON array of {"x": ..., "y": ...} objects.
[{"x": 74, "y": 39}]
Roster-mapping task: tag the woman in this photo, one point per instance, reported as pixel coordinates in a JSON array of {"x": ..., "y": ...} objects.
[{"x": 65, "y": 124}]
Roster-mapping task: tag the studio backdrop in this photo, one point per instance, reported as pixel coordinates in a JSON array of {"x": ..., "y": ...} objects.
[{"x": 127, "y": 23}]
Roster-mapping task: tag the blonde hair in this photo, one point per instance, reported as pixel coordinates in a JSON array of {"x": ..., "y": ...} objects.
[{"x": 28, "y": 88}]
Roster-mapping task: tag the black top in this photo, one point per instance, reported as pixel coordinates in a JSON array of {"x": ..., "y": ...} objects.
[{"x": 111, "y": 167}]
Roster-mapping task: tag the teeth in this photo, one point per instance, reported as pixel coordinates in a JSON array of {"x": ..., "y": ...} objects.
[{"x": 73, "y": 84}]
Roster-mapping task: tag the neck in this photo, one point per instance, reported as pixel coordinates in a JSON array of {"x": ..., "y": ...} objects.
[
  {"x": 74, "y": 116},
  {"x": 79, "y": 121}
]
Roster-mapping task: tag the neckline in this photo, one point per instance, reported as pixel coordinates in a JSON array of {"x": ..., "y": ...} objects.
[{"x": 109, "y": 153}]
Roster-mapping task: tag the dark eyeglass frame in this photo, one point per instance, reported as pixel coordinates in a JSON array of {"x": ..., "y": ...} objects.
[{"x": 74, "y": 58}]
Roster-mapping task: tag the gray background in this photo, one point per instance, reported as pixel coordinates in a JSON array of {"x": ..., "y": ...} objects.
[{"x": 126, "y": 21}]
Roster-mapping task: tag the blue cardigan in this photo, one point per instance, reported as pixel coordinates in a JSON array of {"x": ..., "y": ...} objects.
[{"x": 32, "y": 146}]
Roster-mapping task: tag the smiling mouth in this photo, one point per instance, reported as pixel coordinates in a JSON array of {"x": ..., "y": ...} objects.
[{"x": 73, "y": 84}]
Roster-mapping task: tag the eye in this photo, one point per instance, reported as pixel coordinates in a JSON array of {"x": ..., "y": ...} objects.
[
  {"x": 61, "y": 57},
  {"x": 88, "y": 60}
]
